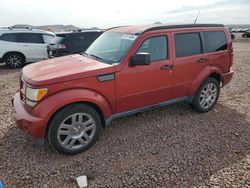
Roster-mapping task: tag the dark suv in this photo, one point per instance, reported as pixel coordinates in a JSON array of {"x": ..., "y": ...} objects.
[
  {"x": 246, "y": 34},
  {"x": 72, "y": 42}
]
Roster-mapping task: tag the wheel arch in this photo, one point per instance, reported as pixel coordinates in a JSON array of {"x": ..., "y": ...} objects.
[
  {"x": 16, "y": 52},
  {"x": 97, "y": 108},
  {"x": 66, "y": 98},
  {"x": 213, "y": 72}
]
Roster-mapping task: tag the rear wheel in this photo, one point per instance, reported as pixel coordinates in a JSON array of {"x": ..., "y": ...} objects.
[
  {"x": 244, "y": 35},
  {"x": 74, "y": 129},
  {"x": 14, "y": 60},
  {"x": 207, "y": 95}
]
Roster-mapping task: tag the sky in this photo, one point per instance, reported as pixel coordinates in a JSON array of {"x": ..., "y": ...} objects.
[{"x": 109, "y": 13}]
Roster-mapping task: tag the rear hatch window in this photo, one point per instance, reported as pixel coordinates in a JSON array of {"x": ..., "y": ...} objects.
[{"x": 59, "y": 39}]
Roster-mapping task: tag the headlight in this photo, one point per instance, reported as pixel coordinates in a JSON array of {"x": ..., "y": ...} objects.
[{"x": 34, "y": 95}]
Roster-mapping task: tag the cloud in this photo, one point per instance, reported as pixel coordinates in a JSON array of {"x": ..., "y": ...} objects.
[{"x": 112, "y": 12}]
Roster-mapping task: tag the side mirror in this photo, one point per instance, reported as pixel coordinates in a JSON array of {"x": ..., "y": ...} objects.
[{"x": 141, "y": 58}]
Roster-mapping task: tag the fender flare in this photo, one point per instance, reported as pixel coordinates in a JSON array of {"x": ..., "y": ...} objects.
[
  {"x": 9, "y": 52},
  {"x": 203, "y": 74},
  {"x": 46, "y": 108}
]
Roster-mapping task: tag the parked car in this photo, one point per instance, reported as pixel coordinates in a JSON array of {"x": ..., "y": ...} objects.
[
  {"x": 20, "y": 46},
  {"x": 127, "y": 70},
  {"x": 72, "y": 42},
  {"x": 246, "y": 34},
  {"x": 232, "y": 35}
]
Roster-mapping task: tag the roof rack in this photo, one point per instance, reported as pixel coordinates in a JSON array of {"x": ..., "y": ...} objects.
[
  {"x": 158, "y": 27},
  {"x": 13, "y": 27},
  {"x": 80, "y": 30}
]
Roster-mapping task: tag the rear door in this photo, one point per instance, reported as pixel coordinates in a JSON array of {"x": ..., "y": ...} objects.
[
  {"x": 189, "y": 59},
  {"x": 33, "y": 46},
  {"x": 217, "y": 46}
]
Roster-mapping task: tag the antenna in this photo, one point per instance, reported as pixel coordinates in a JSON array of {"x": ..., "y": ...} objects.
[{"x": 197, "y": 17}]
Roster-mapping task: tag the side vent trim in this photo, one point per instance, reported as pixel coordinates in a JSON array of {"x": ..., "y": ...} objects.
[{"x": 106, "y": 77}]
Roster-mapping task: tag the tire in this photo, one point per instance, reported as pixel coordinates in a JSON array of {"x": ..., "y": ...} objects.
[
  {"x": 207, "y": 95},
  {"x": 14, "y": 60},
  {"x": 244, "y": 35},
  {"x": 74, "y": 129}
]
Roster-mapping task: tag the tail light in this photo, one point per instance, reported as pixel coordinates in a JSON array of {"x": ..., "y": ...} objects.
[{"x": 62, "y": 46}]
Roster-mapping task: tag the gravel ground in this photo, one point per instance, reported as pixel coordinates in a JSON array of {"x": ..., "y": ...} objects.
[{"x": 169, "y": 147}]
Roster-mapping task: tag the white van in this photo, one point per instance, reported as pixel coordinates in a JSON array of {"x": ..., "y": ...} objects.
[{"x": 20, "y": 46}]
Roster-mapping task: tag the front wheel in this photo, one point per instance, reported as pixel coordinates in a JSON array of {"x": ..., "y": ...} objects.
[
  {"x": 207, "y": 95},
  {"x": 74, "y": 129}
]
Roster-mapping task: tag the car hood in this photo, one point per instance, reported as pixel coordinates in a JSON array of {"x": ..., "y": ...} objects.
[{"x": 64, "y": 69}]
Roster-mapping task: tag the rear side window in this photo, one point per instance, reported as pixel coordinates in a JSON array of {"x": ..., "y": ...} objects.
[
  {"x": 30, "y": 38},
  {"x": 156, "y": 47},
  {"x": 59, "y": 39},
  {"x": 187, "y": 44},
  {"x": 215, "y": 41},
  {"x": 48, "y": 38},
  {"x": 10, "y": 37}
]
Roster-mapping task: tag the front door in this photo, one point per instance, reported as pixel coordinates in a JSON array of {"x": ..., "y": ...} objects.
[{"x": 146, "y": 85}]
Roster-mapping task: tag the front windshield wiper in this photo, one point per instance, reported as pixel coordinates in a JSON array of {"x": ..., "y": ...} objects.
[
  {"x": 91, "y": 55},
  {"x": 96, "y": 57}
]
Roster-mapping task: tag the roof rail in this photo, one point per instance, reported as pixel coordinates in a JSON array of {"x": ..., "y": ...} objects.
[
  {"x": 179, "y": 26},
  {"x": 13, "y": 27}
]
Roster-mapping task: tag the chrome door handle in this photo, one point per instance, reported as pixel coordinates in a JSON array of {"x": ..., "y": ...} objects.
[{"x": 202, "y": 60}]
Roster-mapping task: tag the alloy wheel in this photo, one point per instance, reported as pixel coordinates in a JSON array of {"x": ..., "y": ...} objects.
[
  {"x": 76, "y": 131},
  {"x": 208, "y": 95},
  {"x": 14, "y": 61}
]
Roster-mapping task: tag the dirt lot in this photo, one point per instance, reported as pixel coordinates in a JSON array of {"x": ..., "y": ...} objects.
[{"x": 168, "y": 147}]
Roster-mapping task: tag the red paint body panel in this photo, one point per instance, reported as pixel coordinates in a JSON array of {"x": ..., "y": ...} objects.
[
  {"x": 73, "y": 79},
  {"x": 32, "y": 125},
  {"x": 63, "y": 69},
  {"x": 141, "y": 86}
]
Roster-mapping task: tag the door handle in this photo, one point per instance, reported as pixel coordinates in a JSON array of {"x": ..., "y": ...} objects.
[
  {"x": 167, "y": 67},
  {"x": 202, "y": 60}
]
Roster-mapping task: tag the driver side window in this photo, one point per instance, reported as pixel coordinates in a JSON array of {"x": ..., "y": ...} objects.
[{"x": 156, "y": 47}]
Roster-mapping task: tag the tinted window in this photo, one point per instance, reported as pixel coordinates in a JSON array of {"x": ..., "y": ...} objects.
[
  {"x": 215, "y": 41},
  {"x": 58, "y": 39},
  {"x": 11, "y": 37},
  {"x": 29, "y": 38},
  {"x": 187, "y": 44},
  {"x": 79, "y": 39},
  {"x": 47, "y": 38},
  {"x": 93, "y": 36},
  {"x": 156, "y": 47}
]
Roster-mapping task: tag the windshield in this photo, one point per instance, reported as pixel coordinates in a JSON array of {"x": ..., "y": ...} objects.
[{"x": 111, "y": 47}]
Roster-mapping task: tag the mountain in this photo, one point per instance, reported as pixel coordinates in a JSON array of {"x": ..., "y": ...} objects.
[{"x": 53, "y": 28}]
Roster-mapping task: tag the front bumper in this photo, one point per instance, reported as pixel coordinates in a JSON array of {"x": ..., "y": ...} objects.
[
  {"x": 227, "y": 77},
  {"x": 33, "y": 126}
]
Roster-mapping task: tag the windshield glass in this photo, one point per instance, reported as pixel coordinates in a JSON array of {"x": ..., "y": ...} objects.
[{"x": 111, "y": 47}]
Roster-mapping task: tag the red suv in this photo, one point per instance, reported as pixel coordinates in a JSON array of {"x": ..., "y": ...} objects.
[{"x": 65, "y": 101}]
